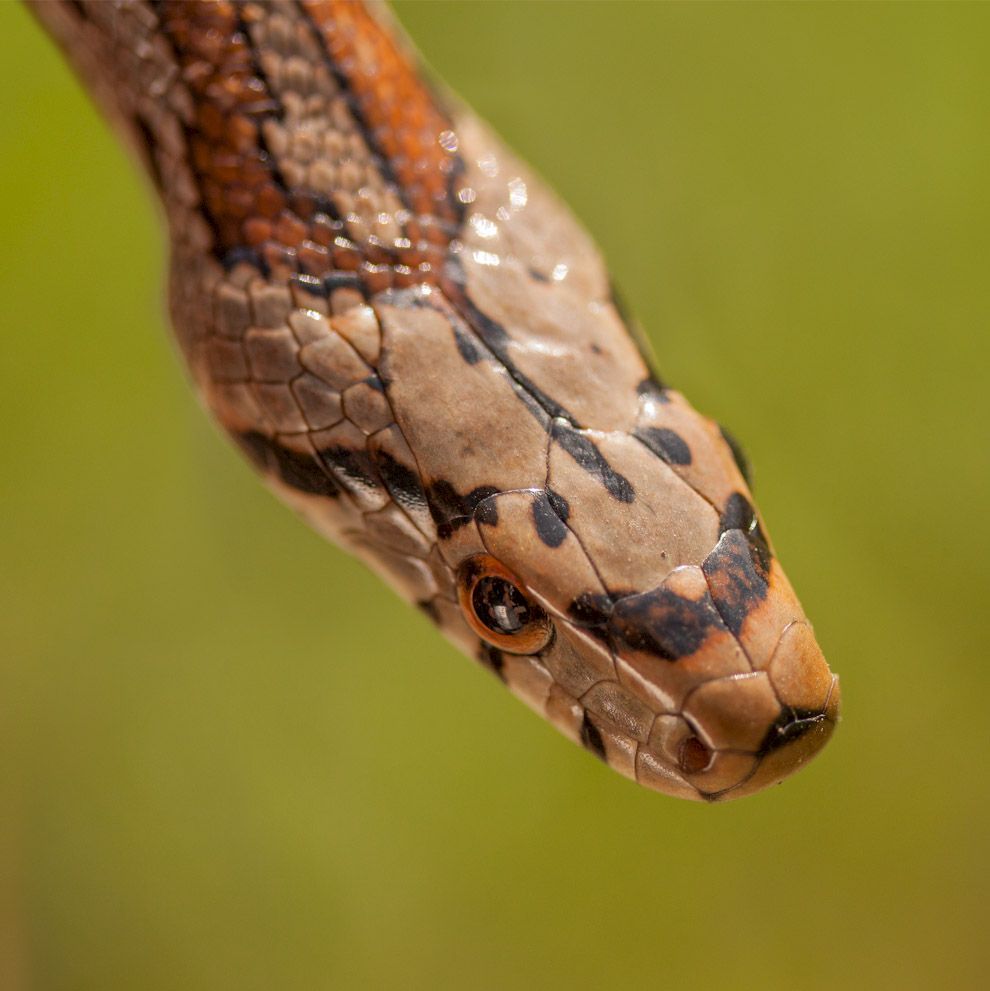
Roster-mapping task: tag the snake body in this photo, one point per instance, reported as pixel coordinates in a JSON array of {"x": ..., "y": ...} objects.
[{"x": 419, "y": 349}]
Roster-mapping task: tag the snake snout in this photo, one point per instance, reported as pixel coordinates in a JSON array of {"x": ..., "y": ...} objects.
[{"x": 777, "y": 718}]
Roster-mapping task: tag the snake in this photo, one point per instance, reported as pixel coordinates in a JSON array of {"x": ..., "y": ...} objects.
[{"x": 420, "y": 350}]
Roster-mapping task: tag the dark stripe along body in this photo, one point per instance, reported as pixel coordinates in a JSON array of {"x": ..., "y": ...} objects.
[{"x": 419, "y": 348}]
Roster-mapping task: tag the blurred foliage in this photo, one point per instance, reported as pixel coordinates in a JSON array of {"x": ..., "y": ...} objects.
[{"x": 232, "y": 760}]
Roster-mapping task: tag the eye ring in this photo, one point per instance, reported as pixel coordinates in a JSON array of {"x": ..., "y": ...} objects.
[{"x": 498, "y": 610}]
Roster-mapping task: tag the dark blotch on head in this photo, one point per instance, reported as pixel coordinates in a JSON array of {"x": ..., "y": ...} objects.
[
  {"x": 790, "y": 725},
  {"x": 592, "y": 610},
  {"x": 495, "y": 337},
  {"x": 591, "y": 738},
  {"x": 583, "y": 450},
  {"x": 559, "y": 503},
  {"x": 653, "y": 388},
  {"x": 486, "y": 512},
  {"x": 736, "y": 578},
  {"x": 301, "y": 471},
  {"x": 401, "y": 481},
  {"x": 353, "y": 466},
  {"x": 428, "y": 606},
  {"x": 738, "y": 455},
  {"x": 451, "y": 510},
  {"x": 666, "y": 445},
  {"x": 663, "y": 623},
  {"x": 493, "y": 659},
  {"x": 466, "y": 347},
  {"x": 739, "y": 514},
  {"x": 549, "y": 526}
]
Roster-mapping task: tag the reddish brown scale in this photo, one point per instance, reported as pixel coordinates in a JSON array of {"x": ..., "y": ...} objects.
[
  {"x": 249, "y": 205},
  {"x": 398, "y": 109},
  {"x": 236, "y": 183}
]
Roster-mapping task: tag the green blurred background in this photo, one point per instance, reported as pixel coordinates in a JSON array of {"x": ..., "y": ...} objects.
[{"x": 230, "y": 759}]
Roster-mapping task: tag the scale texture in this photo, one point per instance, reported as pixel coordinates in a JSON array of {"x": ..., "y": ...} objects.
[{"x": 418, "y": 347}]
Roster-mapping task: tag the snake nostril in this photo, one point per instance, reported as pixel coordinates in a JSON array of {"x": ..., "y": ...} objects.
[
  {"x": 791, "y": 725},
  {"x": 694, "y": 756}
]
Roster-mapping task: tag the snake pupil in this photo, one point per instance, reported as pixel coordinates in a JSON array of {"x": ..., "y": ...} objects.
[{"x": 500, "y": 605}]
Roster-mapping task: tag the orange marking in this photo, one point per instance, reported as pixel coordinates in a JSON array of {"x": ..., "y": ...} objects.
[
  {"x": 399, "y": 111},
  {"x": 241, "y": 190}
]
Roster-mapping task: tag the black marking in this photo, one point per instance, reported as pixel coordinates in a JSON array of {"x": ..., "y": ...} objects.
[
  {"x": 789, "y": 726},
  {"x": 738, "y": 455},
  {"x": 736, "y": 577},
  {"x": 428, "y": 606},
  {"x": 486, "y": 512},
  {"x": 241, "y": 255},
  {"x": 451, "y": 510},
  {"x": 559, "y": 503},
  {"x": 355, "y": 468},
  {"x": 550, "y": 527},
  {"x": 739, "y": 514},
  {"x": 653, "y": 388},
  {"x": 495, "y": 338},
  {"x": 665, "y": 444},
  {"x": 301, "y": 471},
  {"x": 663, "y": 623},
  {"x": 591, "y": 609},
  {"x": 493, "y": 659},
  {"x": 583, "y": 450},
  {"x": 402, "y": 482},
  {"x": 467, "y": 348},
  {"x": 473, "y": 348},
  {"x": 591, "y": 739},
  {"x": 535, "y": 273}
]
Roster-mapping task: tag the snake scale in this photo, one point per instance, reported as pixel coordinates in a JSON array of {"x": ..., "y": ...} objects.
[{"x": 419, "y": 349}]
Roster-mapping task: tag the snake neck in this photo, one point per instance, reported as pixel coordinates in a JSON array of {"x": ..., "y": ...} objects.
[{"x": 298, "y": 136}]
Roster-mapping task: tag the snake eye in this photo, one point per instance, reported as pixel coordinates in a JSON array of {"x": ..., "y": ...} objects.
[{"x": 497, "y": 608}]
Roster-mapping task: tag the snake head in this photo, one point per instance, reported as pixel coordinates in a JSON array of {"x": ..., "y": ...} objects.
[
  {"x": 703, "y": 679},
  {"x": 420, "y": 349}
]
